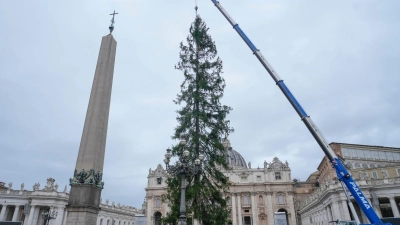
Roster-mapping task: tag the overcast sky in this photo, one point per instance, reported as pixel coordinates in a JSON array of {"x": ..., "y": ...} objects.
[{"x": 341, "y": 60}]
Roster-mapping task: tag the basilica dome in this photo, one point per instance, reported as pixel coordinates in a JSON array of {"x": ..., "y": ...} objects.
[{"x": 235, "y": 159}]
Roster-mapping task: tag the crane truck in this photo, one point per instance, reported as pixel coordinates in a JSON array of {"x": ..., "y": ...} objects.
[{"x": 343, "y": 174}]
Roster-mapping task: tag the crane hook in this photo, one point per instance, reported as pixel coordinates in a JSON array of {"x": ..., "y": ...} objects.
[{"x": 195, "y": 7}]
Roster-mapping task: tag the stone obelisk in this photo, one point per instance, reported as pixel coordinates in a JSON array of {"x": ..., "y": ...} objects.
[{"x": 86, "y": 184}]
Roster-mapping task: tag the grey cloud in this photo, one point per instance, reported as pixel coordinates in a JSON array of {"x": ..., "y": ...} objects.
[{"x": 339, "y": 59}]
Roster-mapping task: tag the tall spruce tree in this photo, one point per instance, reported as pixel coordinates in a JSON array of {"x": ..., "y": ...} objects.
[{"x": 202, "y": 121}]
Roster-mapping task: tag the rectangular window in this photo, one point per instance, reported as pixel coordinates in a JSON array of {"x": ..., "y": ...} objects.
[
  {"x": 360, "y": 154},
  {"x": 389, "y": 156},
  {"x": 281, "y": 199},
  {"x": 367, "y": 154},
  {"x": 277, "y": 175},
  {"x": 258, "y": 178},
  {"x": 345, "y": 152},
  {"x": 374, "y": 174},
  {"x": 384, "y": 173},
  {"x": 375, "y": 154},
  {"x": 396, "y": 156},
  {"x": 353, "y": 153},
  {"x": 247, "y": 220},
  {"x": 245, "y": 200},
  {"x": 382, "y": 155},
  {"x": 159, "y": 180}
]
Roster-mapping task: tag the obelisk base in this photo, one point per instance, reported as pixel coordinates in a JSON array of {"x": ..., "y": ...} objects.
[{"x": 83, "y": 205}]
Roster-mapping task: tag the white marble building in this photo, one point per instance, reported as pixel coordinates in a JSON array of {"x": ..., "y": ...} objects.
[
  {"x": 255, "y": 194},
  {"x": 376, "y": 169},
  {"x": 27, "y": 206}
]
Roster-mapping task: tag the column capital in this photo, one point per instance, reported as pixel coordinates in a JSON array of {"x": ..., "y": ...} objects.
[{"x": 269, "y": 193}]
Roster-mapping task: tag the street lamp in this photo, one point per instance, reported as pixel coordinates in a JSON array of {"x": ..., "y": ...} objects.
[
  {"x": 47, "y": 216},
  {"x": 183, "y": 168}
]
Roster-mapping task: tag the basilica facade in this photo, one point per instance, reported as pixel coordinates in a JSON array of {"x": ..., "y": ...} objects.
[{"x": 255, "y": 195}]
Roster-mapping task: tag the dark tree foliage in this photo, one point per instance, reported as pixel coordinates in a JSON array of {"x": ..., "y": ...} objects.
[{"x": 202, "y": 121}]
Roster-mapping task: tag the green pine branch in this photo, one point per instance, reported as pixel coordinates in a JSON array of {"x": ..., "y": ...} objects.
[{"x": 202, "y": 120}]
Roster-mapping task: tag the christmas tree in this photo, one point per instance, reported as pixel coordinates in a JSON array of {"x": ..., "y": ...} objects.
[{"x": 202, "y": 122}]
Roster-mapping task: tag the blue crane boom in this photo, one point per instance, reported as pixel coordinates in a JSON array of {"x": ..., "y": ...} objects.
[{"x": 342, "y": 173}]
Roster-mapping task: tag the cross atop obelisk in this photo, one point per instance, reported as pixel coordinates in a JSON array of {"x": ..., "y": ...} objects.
[
  {"x": 87, "y": 181},
  {"x": 111, "y": 27}
]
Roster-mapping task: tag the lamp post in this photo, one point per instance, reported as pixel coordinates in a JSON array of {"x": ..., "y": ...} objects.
[
  {"x": 184, "y": 168},
  {"x": 47, "y": 216}
]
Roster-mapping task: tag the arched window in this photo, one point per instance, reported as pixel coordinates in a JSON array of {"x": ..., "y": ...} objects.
[
  {"x": 228, "y": 201},
  {"x": 364, "y": 165},
  {"x": 357, "y": 165},
  {"x": 371, "y": 165},
  {"x": 158, "y": 203},
  {"x": 245, "y": 200}
]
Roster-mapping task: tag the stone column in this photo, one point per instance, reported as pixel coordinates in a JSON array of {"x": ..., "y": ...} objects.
[
  {"x": 269, "y": 205},
  {"x": 290, "y": 203},
  {"x": 240, "y": 219},
  {"x": 233, "y": 202},
  {"x": 98, "y": 220},
  {"x": 26, "y": 219},
  {"x": 324, "y": 211},
  {"x": 84, "y": 198},
  {"x": 346, "y": 213},
  {"x": 3, "y": 212},
  {"x": 60, "y": 216},
  {"x": 32, "y": 214},
  {"x": 254, "y": 209},
  {"x": 16, "y": 213},
  {"x": 149, "y": 211},
  {"x": 328, "y": 212},
  {"x": 335, "y": 210},
  {"x": 393, "y": 205},
  {"x": 65, "y": 216}
]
